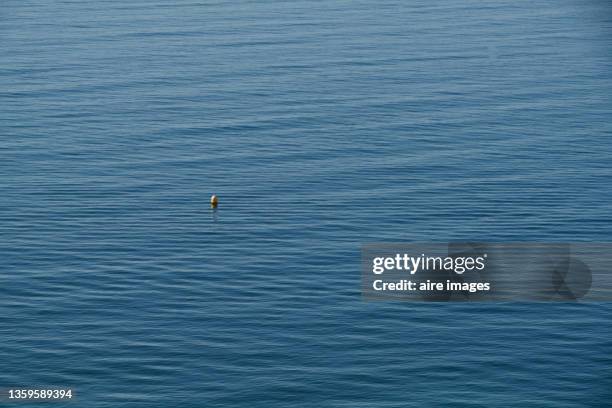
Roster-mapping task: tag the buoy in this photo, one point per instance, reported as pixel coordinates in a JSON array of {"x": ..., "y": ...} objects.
[{"x": 214, "y": 201}]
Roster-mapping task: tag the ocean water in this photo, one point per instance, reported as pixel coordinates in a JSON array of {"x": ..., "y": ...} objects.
[{"x": 321, "y": 126}]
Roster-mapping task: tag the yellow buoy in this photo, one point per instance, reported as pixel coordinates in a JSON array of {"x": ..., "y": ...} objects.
[{"x": 214, "y": 201}]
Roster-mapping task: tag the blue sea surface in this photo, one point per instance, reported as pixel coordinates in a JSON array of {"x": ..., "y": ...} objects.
[{"x": 321, "y": 126}]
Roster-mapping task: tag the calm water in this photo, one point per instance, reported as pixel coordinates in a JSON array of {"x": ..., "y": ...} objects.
[{"x": 322, "y": 126}]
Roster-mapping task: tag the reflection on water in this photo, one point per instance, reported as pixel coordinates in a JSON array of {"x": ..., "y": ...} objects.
[{"x": 323, "y": 127}]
